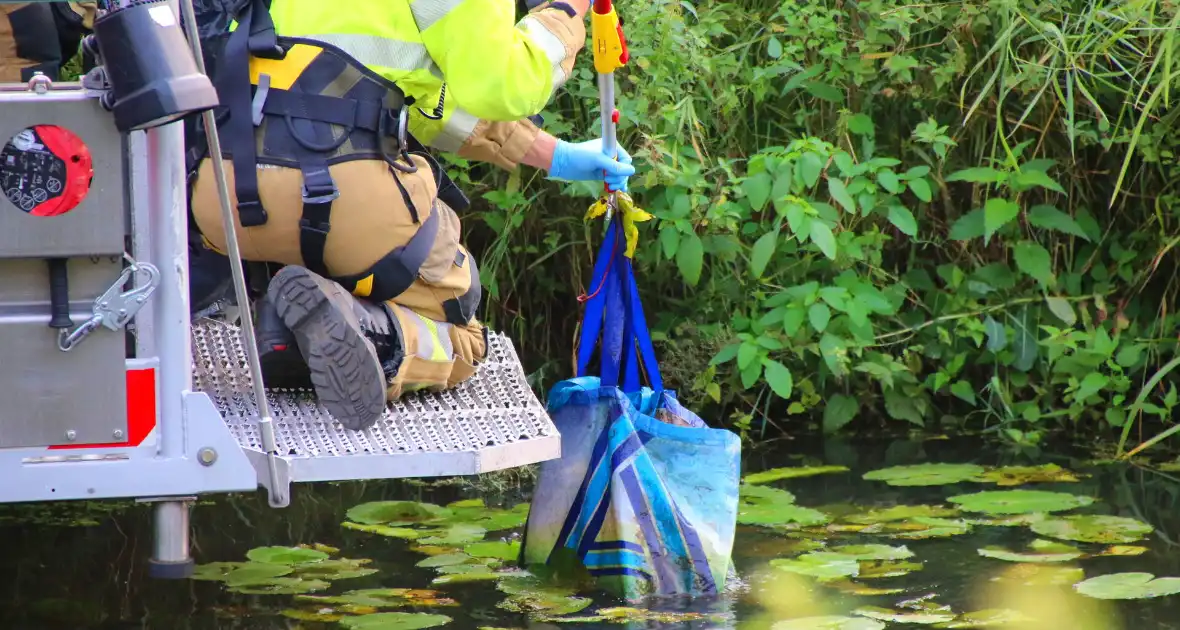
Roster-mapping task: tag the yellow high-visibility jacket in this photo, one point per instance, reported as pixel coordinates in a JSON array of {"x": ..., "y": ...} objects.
[{"x": 468, "y": 60}]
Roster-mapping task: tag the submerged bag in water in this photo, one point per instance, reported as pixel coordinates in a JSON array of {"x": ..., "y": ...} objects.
[{"x": 644, "y": 497}]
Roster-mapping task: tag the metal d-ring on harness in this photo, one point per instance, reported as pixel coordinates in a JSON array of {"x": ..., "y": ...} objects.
[{"x": 266, "y": 430}]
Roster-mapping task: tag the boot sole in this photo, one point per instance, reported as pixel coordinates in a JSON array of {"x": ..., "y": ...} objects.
[{"x": 343, "y": 366}]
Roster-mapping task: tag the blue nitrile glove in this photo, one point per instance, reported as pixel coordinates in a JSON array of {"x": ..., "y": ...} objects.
[{"x": 585, "y": 162}]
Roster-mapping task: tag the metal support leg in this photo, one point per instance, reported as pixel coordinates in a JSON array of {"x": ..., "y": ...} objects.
[{"x": 170, "y": 552}]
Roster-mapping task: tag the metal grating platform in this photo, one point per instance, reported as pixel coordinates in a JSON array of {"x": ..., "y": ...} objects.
[{"x": 491, "y": 422}]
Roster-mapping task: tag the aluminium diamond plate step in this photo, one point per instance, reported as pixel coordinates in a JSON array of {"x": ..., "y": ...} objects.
[{"x": 491, "y": 422}]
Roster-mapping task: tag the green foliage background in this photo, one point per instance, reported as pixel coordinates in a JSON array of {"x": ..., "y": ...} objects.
[{"x": 875, "y": 212}]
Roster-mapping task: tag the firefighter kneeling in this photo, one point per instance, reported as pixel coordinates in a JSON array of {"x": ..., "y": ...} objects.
[{"x": 327, "y": 181}]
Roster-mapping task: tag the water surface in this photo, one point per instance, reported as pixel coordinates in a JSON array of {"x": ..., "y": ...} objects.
[{"x": 83, "y": 566}]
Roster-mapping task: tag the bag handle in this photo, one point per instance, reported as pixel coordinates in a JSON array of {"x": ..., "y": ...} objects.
[{"x": 615, "y": 323}]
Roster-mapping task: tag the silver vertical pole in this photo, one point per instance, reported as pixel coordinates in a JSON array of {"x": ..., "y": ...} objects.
[
  {"x": 610, "y": 143},
  {"x": 167, "y": 218},
  {"x": 266, "y": 430}
]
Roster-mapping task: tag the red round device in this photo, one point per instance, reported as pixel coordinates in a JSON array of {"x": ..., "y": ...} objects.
[{"x": 45, "y": 170}]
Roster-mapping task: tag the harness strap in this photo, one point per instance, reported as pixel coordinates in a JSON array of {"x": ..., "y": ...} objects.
[
  {"x": 319, "y": 191},
  {"x": 255, "y": 34},
  {"x": 335, "y": 110},
  {"x": 398, "y": 269}
]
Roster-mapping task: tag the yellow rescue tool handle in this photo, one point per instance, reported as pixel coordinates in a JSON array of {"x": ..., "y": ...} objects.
[{"x": 606, "y": 31}]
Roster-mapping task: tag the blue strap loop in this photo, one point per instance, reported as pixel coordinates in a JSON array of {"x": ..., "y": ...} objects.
[{"x": 614, "y": 322}]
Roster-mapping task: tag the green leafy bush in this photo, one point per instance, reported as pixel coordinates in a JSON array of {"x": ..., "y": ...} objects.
[{"x": 876, "y": 212}]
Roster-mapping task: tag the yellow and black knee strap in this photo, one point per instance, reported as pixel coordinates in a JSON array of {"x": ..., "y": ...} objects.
[{"x": 397, "y": 270}]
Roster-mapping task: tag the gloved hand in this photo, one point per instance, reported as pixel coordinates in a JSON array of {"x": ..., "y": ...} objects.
[{"x": 585, "y": 161}]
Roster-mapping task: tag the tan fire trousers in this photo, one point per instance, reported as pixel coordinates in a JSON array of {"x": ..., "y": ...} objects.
[{"x": 369, "y": 219}]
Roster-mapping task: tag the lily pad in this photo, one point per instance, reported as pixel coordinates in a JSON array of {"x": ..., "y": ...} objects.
[
  {"x": 215, "y": 571},
  {"x": 832, "y": 622},
  {"x": 1014, "y": 520},
  {"x": 338, "y": 570},
  {"x": 491, "y": 519},
  {"x": 1028, "y": 574},
  {"x": 394, "y": 621},
  {"x": 855, "y": 588},
  {"x": 873, "y": 552},
  {"x": 631, "y": 616},
  {"x": 1122, "y": 550},
  {"x": 485, "y": 575},
  {"x": 1042, "y": 551},
  {"x": 546, "y": 604},
  {"x": 500, "y": 550},
  {"x": 921, "y": 528},
  {"x": 776, "y": 547},
  {"x": 376, "y": 598},
  {"x": 793, "y": 472},
  {"x": 404, "y": 533},
  {"x": 1128, "y": 586},
  {"x": 925, "y": 474},
  {"x": 769, "y": 507},
  {"x": 875, "y": 569},
  {"x": 990, "y": 618},
  {"x": 821, "y": 565},
  {"x": 1019, "y": 501},
  {"x": 884, "y": 614},
  {"x": 285, "y": 555},
  {"x": 445, "y": 560},
  {"x": 256, "y": 573},
  {"x": 435, "y": 550},
  {"x": 282, "y": 586},
  {"x": 900, "y": 513},
  {"x": 396, "y": 513},
  {"x": 326, "y": 615},
  {"x": 1020, "y": 475},
  {"x": 459, "y": 534},
  {"x": 1094, "y": 528},
  {"x": 473, "y": 565},
  {"x": 758, "y": 495}
]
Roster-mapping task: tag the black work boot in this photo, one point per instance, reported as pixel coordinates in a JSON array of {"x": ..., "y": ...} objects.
[
  {"x": 349, "y": 345},
  {"x": 278, "y": 351}
]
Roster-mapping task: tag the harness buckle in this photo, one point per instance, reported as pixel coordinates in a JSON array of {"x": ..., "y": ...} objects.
[
  {"x": 321, "y": 196},
  {"x": 251, "y": 213}
]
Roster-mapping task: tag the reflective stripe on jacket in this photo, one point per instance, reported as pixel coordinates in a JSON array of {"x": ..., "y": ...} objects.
[{"x": 496, "y": 70}]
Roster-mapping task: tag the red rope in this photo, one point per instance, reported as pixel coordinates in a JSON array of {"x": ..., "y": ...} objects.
[{"x": 582, "y": 299}]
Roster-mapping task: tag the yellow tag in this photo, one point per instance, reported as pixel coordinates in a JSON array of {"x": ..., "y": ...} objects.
[{"x": 630, "y": 215}]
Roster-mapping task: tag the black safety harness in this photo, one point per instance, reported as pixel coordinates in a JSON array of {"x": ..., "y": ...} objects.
[{"x": 299, "y": 129}]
